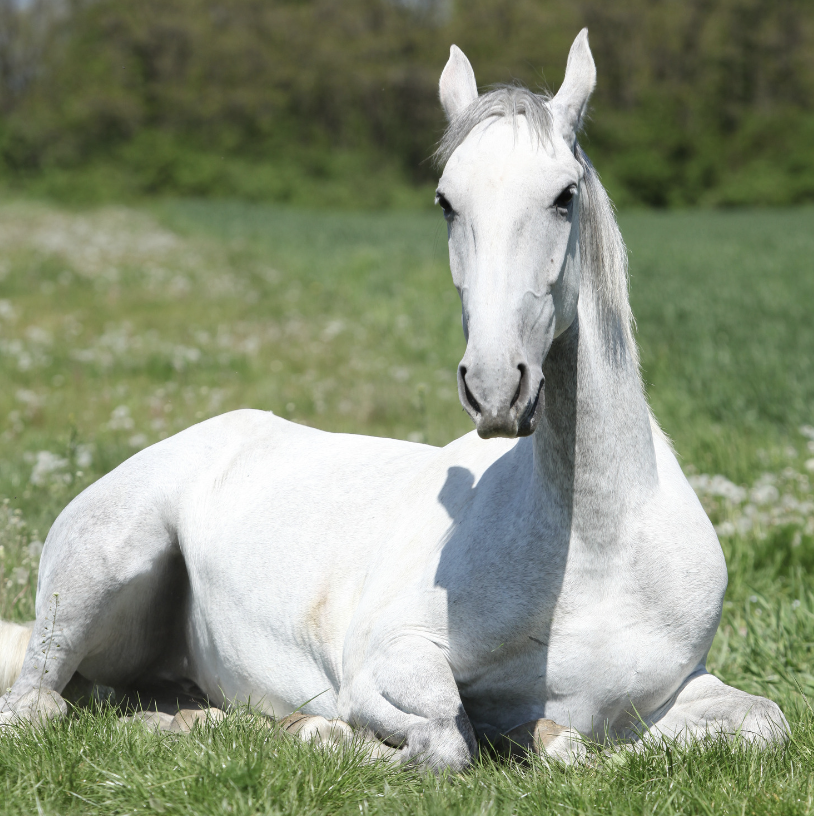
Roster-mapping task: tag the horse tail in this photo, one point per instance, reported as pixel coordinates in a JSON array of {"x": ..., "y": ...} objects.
[{"x": 14, "y": 640}]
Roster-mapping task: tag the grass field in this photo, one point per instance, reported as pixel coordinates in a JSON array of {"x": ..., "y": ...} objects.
[{"x": 119, "y": 327}]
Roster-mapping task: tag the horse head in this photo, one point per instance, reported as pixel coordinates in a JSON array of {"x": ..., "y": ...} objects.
[{"x": 510, "y": 196}]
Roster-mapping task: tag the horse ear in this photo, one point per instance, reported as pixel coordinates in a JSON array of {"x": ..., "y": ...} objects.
[
  {"x": 457, "y": 87},
  {"x": 572, "y": 98}
]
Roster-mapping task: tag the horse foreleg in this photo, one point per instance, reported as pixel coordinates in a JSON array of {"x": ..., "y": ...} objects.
[
  {"x": 46, "y": 668},
  {"x": 333, "y": 734},
  {"x": 704, "y": 706},
  {"x": 406, "y": 696}
]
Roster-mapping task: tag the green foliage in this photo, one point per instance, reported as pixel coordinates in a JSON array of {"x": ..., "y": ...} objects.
[
  {"x": 722, "y": 303},
  {"x": 335, "y": 100}
]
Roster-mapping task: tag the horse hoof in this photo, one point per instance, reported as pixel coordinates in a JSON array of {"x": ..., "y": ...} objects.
[
  {"x": 374, "y": 751},
  {"x": 545, "y": 738},
  {"x": 154, "y": 720},
  {"x": 316, "y": 729},
  {"x": 187, "y": 718}
]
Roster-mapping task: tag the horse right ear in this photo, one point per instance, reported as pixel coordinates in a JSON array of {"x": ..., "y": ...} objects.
[
  {"x": 457, "y": 87},
  {"x": 570, "y": 101}
]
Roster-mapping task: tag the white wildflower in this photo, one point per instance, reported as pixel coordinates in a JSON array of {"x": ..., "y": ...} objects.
[
  {"x": 182, "y": 355},
  {"x": 764, "y": 494},
  {"x": 745, "y": 524},
  {"x": 29, "y": 398},
  {"x": 20, "y": 575},
  {"x": 138, "y": 440},
  {"x": 334, "y": 328},
  {"x": 120, "y": 419},
  {"x": 718, "y": 485},
  {"x": 47, "y": 468},
  {"x": 38, "y": 336},
  {"x": 725, "y": 529},
  {"x": 34, "y": 549},
  {"x": 84, "y": 455}
]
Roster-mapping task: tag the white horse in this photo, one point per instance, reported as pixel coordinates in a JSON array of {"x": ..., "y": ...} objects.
[{"x": 555, "y": 565}]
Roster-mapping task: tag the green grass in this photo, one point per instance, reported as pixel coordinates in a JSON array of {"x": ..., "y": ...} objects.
[
  {"x": 89, "y": 764},
  {"x": 119, "y": 327}
]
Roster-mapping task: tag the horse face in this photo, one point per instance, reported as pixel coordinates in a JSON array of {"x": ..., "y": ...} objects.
[
  {"x": 512, "y": 214},
  {"x": 511, "y": 202}
]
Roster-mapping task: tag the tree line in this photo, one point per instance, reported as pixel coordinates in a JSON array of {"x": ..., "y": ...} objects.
[{"x": 698, "y": 101}]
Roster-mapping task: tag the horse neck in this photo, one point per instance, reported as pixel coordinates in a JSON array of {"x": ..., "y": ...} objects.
[{"x": 594, "y": 450}]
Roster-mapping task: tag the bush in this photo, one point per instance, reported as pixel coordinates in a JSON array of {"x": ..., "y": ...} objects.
[{"x": 696, "y": 102}]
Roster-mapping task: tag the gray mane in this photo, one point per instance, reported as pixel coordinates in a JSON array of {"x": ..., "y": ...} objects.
[
  {"x": 504, "y": 102},
  {"x": 604, "y": 255}
]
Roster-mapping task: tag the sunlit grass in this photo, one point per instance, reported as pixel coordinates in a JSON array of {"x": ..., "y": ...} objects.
[{"x": 119, "y": 327}]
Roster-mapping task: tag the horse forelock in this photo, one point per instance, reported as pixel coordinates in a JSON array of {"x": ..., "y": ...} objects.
[
  {"x": 502, "y": 102},
  {"x": 604, "y": 255}
]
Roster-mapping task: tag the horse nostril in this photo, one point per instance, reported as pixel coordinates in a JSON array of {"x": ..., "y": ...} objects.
[
  {"x": 523, "y": 375},
  {"x": 473, "y": 403}
]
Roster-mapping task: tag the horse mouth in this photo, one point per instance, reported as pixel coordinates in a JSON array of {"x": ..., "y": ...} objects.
[
  {"x": 514, "y": 425},
  {"x": 527, "y": 423}
]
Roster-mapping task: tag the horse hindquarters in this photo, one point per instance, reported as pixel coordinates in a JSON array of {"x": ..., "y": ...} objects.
[
  {"x": 110, "y": 596},
  {"x": 14, "y": 640}
]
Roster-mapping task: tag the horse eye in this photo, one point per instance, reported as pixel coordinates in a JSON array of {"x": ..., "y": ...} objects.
[
  {"x": 441, "y": 200},
  {"x": 565, "y": 197}
]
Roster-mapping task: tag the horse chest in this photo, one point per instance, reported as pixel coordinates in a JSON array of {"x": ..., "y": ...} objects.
[
  {"x": 616, "y": 636},
  {"x": 616, "y": 653}
]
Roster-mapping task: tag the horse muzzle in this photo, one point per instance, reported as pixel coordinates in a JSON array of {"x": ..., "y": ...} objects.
[{"x": 510, "y": 407}]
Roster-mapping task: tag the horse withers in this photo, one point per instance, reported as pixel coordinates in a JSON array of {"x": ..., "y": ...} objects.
[{"x": 548, "y": 578}]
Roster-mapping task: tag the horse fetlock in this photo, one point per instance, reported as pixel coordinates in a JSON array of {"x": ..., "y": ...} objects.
[
  {"x": 568, "y": 746},
  {"x": 38, "y": 705},
  {"x": 335, "y": 733},
  {"x": 189, "y": 718},
  {"x": 545, "y": 738},
  {"x": 316, "y": 729},
  {"x": 153, "y": 720},
  {"x": 183, "y": 722}
]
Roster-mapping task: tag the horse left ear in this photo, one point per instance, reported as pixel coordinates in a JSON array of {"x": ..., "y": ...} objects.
[
  {"x": 457, "y": 87},
  {"x": 570, "y": 101}
]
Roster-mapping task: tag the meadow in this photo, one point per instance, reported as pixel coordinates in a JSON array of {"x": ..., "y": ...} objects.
[{"x": 121, "y": 326}]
